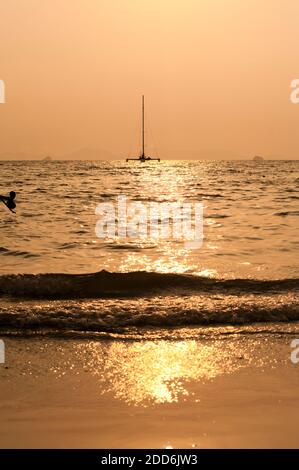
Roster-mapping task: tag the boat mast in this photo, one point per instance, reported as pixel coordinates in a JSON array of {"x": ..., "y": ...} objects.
[
  {"x": 143, "y": 154},
  {"x": 142, "y": 158}
]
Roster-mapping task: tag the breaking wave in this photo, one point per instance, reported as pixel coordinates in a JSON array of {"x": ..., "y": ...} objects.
[
  {"x": 105, "y": 303},
  {"x": 140, "y": 283}
]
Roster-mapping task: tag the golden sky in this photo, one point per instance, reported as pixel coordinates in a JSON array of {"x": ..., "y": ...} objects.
[{"x": 216, "y": 75}]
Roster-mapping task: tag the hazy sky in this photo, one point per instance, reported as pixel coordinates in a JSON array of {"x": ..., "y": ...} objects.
[{"x": 216, "y": 75}]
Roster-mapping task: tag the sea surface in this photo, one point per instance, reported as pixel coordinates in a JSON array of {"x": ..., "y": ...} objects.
[{"x": 58, "y": 278}]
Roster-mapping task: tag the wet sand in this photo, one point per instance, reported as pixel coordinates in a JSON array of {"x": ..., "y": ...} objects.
[{"x": 234, "y": 391}]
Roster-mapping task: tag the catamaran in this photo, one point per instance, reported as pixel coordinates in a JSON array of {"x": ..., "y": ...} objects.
[{"x": 143, "y": 158}]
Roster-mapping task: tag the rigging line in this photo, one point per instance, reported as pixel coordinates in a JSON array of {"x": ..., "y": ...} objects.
[
  {"x": 135, "y": 131},
  {"x": 153, "y": 140}
]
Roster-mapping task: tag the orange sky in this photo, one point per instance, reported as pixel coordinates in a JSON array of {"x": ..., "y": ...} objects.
[{"x": 216, "y": 75}]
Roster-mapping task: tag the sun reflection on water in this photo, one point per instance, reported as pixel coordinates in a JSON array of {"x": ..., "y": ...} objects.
[{"x": 156, "y": 372}]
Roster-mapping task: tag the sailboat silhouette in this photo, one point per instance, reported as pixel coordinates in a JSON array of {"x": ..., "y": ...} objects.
[{"x": 143, "y": 158}]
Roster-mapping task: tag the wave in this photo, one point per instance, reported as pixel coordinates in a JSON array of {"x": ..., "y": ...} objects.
[
  {"x": 133, "y": 316},
  {"x": 25, "y": 254},
  {"x": 216, "y": 216},
  {"x": 131, "y": 284},
  {"x": 286, "y": 213}
]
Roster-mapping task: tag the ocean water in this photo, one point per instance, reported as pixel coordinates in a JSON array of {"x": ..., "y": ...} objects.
[{"x": 58, "y": 277}]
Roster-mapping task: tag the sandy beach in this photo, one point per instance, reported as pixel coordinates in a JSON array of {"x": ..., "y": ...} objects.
[{"x": 238, "y": 390}]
